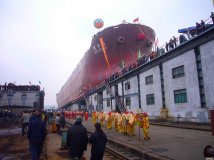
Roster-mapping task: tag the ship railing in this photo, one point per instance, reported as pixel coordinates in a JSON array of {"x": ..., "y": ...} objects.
[
  {"x": 159, "y": 51},
  {"x": 183, "y": 38}
]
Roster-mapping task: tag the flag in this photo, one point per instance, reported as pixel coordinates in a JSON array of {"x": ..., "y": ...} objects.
[
  {"x": 40, "y": 82},
  {"x": 136, "y": 20}
]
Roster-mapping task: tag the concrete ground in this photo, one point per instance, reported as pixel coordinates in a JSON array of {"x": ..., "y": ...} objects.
[
  {"x": 13, "y": 146},
  {"x": 167, "y": 140}
]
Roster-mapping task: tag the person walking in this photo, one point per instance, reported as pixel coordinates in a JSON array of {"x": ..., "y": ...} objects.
[
  {"x": 33, "y": 115},
  {"x": 77, "y": 139},
  {"x": 25, "y": 122},
  {"x": 145, "y": 126},
  {"x": 62, "y": 121},
  {"x": 98, "y": 140},
  {"x": 36, "y": 135},
  {"x": 57, "y": 121}
]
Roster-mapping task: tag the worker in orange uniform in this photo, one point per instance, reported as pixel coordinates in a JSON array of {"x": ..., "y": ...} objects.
[
  {"x": 145, "y": 126},
  {"x": 86, "y": 116},
  {"x": 94, "y": 117}
]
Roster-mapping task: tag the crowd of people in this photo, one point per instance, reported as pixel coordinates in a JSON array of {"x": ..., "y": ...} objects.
[
  {"x": 15, "y": 87},
  {"x": 7, "y": 115},
  {"x": 190, "y": 33},
  {"x": 34, "y": 128},
  {"x": 123, "y": 122},
  {"x": 77, "y": 136}
]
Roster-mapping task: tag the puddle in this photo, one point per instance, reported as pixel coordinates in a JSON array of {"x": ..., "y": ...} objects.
[
  {"x": 8, "y": 157},
  {"x": 11, "y": 131}
]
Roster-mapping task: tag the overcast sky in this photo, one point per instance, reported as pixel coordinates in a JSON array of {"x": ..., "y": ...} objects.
[{"x": 43, "y": 40}]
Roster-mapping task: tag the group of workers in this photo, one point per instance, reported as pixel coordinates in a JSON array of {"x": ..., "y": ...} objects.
[
  {"x": 74, "y": 114},
  {"x": 123, "y": 123}
]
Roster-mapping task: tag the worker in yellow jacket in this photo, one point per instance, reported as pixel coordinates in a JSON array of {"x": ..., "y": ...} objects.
[
  {"x": 145, "y": 126},
  {"x": 109, "y": 120},
  {"x": 101, "y": 117},
  {"x": 94, "y": 117},
  {"x": 131, "y": 124}
]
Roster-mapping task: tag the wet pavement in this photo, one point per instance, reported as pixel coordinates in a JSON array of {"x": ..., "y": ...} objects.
[
  {"x": 13, "y": 146},
  {"x": 168, "y": 141},
  {"x": 177, "y": 141}
]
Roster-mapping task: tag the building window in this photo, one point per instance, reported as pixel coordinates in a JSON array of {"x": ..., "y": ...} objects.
[
  {"x": 128, "y": 101},
  {"x": 108, "y": 103},
  {"x": 95, "y": 97},
  {"x": 127, "y": 86},
  {"x": 150, "y": 99},
  {"x": 178, "y": 72},
  {"x": 10, "y": 92},
  {"x": 149, "y": 79},
  {"x": 23, "y": 99},
  {"x": 108, "y": 90},
  {"x": 180, "y": 96},
  {"x": 24, "y": 93}
]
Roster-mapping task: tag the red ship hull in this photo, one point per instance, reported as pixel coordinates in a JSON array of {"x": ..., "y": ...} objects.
[{"x": 122, "y": 44}]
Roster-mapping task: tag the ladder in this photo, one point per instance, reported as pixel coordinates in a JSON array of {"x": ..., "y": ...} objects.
[
  {"x": 87, "y": 102},
  {"x": 118, "y": 99}
]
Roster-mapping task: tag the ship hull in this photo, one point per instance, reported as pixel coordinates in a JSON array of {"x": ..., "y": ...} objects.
[{"x": 122, "y": 45}]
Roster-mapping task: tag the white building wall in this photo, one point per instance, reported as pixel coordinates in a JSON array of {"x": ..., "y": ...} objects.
[
  {"x": 105, "y": 98},
  {"x": 189, "y": 82},
  {"x": 113, "y": 107},
  {"x": 31, "y": 98},
  {"x": 3, "y": 100},
  {"x": 134, "y": 104},
  {"x": 154, "y": 88},
  {"x": 94, "y": 101},
  {"x": 132, "y": 93},
  {"x": 74, "y": 107},
  {"x": 105, "y": 107},
  {"x": 105, "y": 95},
  {"x": 120, "y": 89},
  {"x": 207, "y": 60},
  {"x": 16, "y": 99}
]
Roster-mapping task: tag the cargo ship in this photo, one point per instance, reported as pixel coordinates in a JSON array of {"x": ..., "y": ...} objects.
[{"x": 111, "y": 49}]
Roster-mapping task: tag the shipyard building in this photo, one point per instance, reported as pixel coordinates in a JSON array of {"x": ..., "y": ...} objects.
[
  {"x": 173, "y": 84},
  {"x": 17, "y": 98}
]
